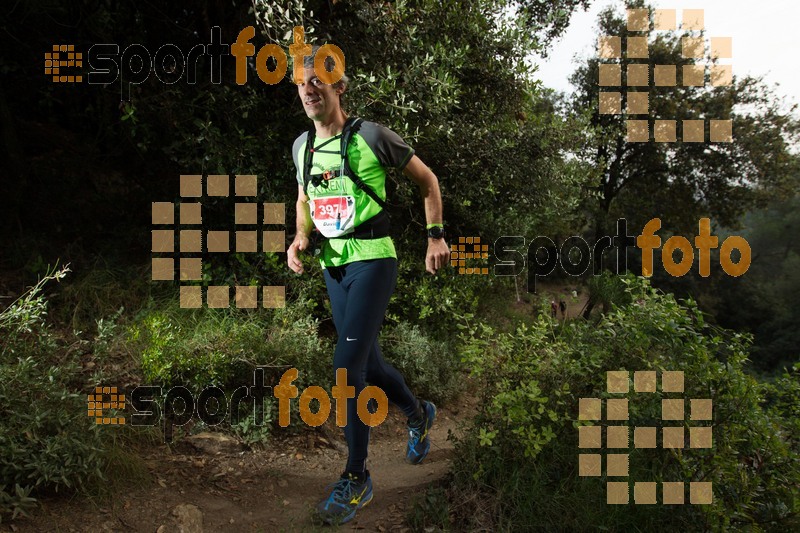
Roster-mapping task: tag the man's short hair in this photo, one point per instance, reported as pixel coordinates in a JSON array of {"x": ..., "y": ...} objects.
[{"x": 308, "y": 62}]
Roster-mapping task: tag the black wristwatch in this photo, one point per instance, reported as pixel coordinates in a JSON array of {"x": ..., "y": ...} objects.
[{"x": 436, "y": 232}]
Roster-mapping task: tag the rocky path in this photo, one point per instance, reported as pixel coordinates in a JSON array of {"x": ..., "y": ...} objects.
[{"x": 219, "y": 487}]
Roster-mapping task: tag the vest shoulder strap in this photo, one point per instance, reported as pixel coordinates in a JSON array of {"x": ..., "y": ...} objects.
[{"x": 351, "y": 127}]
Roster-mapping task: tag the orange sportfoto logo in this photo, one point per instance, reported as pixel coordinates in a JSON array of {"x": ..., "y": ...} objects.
[
  {"x": 134, "y": 64},
  {"x": 213, "y": 406}
]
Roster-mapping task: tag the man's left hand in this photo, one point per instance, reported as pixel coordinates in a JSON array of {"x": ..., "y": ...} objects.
[{"x": 438, "y": 255}]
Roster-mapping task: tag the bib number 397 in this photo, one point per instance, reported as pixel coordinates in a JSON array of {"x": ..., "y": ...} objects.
[{"x": 334, "y": 215}]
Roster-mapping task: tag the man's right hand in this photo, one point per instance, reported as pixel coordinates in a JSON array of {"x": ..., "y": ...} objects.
[{"x": 300, "y": 243}]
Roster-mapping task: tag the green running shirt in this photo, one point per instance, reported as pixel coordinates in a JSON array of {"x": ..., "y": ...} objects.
[{"x": 373, "y": 149}]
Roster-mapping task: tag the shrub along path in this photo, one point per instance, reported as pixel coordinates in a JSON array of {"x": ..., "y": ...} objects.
[{"x": 275, "y": 489}]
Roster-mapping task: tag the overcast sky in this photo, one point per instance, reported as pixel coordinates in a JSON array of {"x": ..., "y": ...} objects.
[{"x": 766, "y": 37}]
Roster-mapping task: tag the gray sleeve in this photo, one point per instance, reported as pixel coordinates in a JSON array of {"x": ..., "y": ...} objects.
[
  {"x": 296, "y": 155},
  {"x": 390, "y": 149}
]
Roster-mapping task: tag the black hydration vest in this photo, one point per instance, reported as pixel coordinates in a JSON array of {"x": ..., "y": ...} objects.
[{"x": 372, "y": 228}]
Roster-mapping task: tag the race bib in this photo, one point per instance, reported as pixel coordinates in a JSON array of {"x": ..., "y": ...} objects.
[{"x": 333, "y": 216}]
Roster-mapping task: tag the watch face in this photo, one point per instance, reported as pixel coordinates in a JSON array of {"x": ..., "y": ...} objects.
[{"x": 435, "y": 232}]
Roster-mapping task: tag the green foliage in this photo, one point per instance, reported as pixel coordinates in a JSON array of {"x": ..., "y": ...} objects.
[
  {"x": 295, "y": 341},
  {"x": 46, "y": 440},
  {"x": 521, "y": 454},
  {"x": 250, "y": 431},
  {"x": 15, "y": 502},
  {"x": 548, "y": 19},
  {"x": 765, "y": 301},
  {"x": 221, "y": 347},
  {"x": 607, "y": 289},
  {"x": 430, "y": 367},
  {"x": 21, "y": 320},
  {"x": 109, "y": 334},
  {"x": 169, "y": 353},
  {"x": 429, "y": 511},
  {"x": 783, "y": 401},
  {"x": 434, "y": 302},
  {"x": 101, "y": 290}
]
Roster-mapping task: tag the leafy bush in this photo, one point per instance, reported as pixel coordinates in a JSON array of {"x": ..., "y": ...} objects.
[
  {"x": 435, "y": 303},
  {"x": 607, "y": 289},
  {"x": 46, "y": 440},
  {"x": 783, "y": 402},
  {"x": 221, "y": 347},
  {"x": 520, "y": 457},
  {"x": 211, "y": 347},
  {"x": 189, "y": 354},
  {"x": 249, "y": 430},
  {"x": 429, "y": 510},
  {"x": 430, "y": 367}
]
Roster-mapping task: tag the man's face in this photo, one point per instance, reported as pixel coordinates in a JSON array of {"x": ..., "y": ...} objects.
[{"x": 320, "y": 100}]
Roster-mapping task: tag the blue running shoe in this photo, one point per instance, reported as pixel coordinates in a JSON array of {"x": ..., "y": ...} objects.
[
  {"x": 419, "y": 443},
  {"x": 347, "y": 496}
]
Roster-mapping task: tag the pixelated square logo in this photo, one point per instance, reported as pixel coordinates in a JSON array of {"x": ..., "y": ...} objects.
[
  {"x": 61, "y": 62},
  {"x": 463, "y": 254},
  {"x": 619, "y": 436},
  {"x": 179, "y": 240},
  {"x": 631, "y": 86},
  {"x": 104, "y": 399}
]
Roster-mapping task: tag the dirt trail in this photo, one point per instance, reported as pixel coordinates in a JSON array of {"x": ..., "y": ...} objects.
[
  {"x": 560, "y": 291},
  {"x": 266, "y": 490}
]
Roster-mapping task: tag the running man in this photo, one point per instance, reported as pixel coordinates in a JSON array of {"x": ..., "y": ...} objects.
[{"x": 344, "y": 197}]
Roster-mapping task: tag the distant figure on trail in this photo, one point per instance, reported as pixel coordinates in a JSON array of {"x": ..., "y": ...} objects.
[
  {"x": 563, "y": 306},
  {"x": 341, "y": 176},
  {"x": 554, "y": 308}
]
